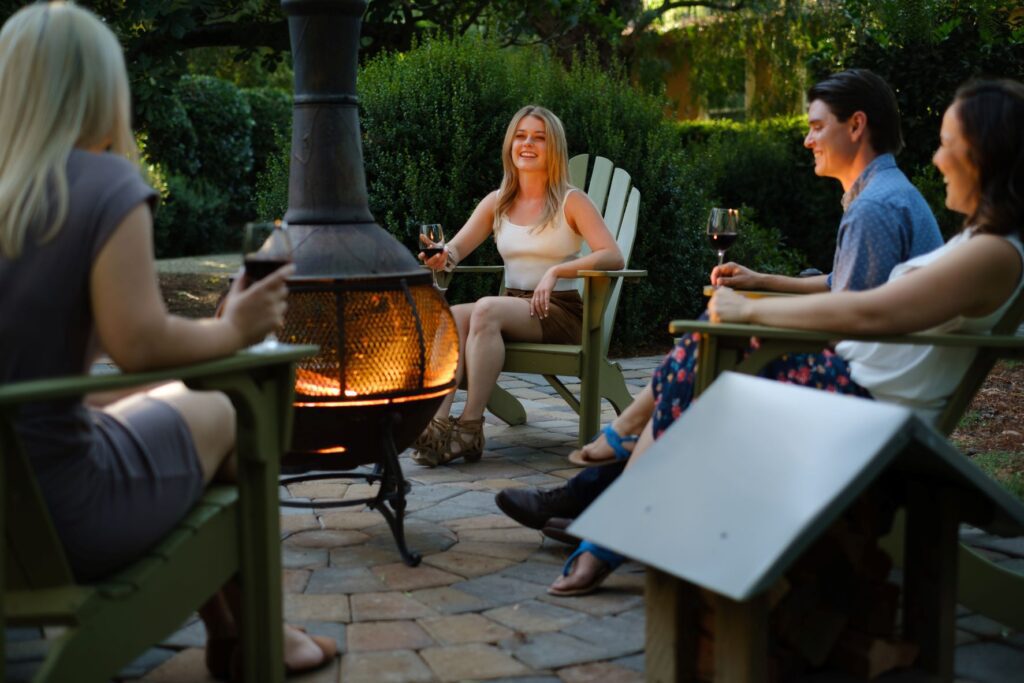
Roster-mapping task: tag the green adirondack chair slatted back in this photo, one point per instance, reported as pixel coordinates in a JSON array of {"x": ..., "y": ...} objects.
[
  {"x": 619, "y": 204},
  {"x": 978, "y": 370}
]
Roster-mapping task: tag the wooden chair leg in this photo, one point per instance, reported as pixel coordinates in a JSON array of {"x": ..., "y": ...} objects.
[
  {"x": 260, "y": 419},
  {"x": 930, "y": 576},
  {"x": 672, "y": 628},
  {"x": 613, "y": 386},
  {"x": 982, "y": 585},
  {"x": 590, "y": 406},
  {"x": 987, "y": 588},
  {"x": 741, "y": 640},
  {"x": 506, "y": 407}
]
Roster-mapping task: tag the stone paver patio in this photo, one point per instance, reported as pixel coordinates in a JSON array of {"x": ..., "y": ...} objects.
[{"x": 477, "y": 607}]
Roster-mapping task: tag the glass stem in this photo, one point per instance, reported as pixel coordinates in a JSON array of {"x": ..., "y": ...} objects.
[{"x": 721, "y": 256}]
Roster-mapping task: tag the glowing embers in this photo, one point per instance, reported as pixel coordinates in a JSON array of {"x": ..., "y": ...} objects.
[{"x": 389, "y": 346}]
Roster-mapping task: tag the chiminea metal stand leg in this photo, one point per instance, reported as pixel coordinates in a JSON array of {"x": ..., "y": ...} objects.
[
  {"x": 390, "y": 498},
  {"x": 393, "y": 488}
]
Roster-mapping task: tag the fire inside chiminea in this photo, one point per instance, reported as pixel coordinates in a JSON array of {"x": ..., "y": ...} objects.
[
  {"x": 388, "y": 351},
  {"x": 388, "y": 343}
]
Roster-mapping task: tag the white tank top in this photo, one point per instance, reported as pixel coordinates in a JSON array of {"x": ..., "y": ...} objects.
[
  {"x": 921, "y": 377},
  {"x": 528, "y": 253}
]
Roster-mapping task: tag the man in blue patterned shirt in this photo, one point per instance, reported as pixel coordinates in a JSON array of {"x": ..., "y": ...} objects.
[{"x": 854, "y": 132}]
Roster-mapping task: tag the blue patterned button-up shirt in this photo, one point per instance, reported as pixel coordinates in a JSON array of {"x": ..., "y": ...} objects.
[{"x": 886, "y": 221}]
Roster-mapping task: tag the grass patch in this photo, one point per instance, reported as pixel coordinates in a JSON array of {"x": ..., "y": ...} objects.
[
  {"x": 970, "y": 419},
  {"x": 1006, "y": 468}
]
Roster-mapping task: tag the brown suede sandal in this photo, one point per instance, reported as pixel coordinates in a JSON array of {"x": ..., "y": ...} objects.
[
  {"x": 466, "y": 440},
  {"x": 432, "y": 443}
]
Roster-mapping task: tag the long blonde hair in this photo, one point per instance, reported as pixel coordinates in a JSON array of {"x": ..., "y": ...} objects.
[
  {"x": 558, "y": 168},
  {"x": 63, "y": 84}
]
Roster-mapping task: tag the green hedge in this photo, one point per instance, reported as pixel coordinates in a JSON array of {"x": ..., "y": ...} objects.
[
  {"x": 206, "y": 149},
  {"x": 271, "y": 112},
  {"x": 223, "y": 124},
  {"x": 192, "y": 217},
  {"x": 433, "y": 121},
  {"x": 764, "y": 165}
]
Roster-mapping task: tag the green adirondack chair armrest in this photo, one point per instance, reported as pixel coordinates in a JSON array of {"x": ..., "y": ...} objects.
[
  {"x": 750, "y": 293},
  {"x": 612, "y": 273},
  {"x": 579, "y": 273},
  {"x": 222, "y": 374},
  {"x": 479, "y": 269},
  {"x": 1014, "y": 345},
  {"x": 197, "y": 374}
]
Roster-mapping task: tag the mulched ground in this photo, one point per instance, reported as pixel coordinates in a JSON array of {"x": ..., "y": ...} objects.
[
  {"x": 994, "y": 422},
  {"x": 192, "y": 296}
]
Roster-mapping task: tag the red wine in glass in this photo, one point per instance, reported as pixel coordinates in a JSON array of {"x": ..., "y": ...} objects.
[
  {"x": 265, "y": 248},
  {"x": 723, "y": 225},
  {"x": 432, "y": 244},
  {"x": 257, "y": 267},
  {"x": 722, "y": 241}
]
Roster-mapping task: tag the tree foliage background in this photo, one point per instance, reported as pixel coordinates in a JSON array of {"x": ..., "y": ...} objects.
[{"x": 219, "y": 71}]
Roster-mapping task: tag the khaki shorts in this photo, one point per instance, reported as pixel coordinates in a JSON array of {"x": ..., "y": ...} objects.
[{"x": 564, "y": 324}]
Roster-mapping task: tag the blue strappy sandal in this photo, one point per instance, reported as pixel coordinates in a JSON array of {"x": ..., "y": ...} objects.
[
  {"x": 611, "y": 562},
  {"x": 615, "y": 440}
]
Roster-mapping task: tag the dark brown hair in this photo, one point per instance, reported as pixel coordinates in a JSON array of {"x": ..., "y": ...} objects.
[
  {"x": 991, "y": 115},
  {"x": 856, "y": 90}
]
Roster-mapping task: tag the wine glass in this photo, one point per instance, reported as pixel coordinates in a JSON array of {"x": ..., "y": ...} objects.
[
  {"x": 723, "y": 225},
  {"x": 432, "y": 244},
  {"x": 266, "y": 246}
]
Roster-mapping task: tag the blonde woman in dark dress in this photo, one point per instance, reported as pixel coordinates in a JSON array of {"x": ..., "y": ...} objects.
[{"x": 78, "y": 276}]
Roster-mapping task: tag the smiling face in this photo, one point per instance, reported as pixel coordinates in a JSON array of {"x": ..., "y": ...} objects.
[
  {"x": 529, "y": 145},
  {"x": 953, "y": 161},
  {"x": 831, "y": 141}
]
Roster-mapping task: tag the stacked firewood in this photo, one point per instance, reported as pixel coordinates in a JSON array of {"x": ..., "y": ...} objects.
[{"x": 836, "y": 607}]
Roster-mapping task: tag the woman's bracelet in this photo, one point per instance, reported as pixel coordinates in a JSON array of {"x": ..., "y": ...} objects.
[{"x": 451, "y": 258}]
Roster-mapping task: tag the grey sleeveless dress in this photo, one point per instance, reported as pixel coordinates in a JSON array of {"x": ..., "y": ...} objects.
[{"x": 113, "y": 487}]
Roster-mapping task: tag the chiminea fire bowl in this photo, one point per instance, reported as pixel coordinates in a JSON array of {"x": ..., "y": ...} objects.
[{"x": 388, "y": 352}]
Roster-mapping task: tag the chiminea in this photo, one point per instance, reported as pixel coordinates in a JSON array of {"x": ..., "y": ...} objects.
[{"x": 388, "y": 343}]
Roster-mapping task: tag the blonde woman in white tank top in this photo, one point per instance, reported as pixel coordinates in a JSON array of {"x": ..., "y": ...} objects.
[{"x": 539, "y": 223}]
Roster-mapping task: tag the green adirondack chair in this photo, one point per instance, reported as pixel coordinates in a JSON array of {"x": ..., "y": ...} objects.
[
  {"x": 983, "y": 587},
  {"x": 611, "y": 191},
  {"x": 231, "y": 530}
]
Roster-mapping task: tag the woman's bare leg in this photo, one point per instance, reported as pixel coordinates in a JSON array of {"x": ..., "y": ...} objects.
[
  {"x": 630, "y": 421},
  {"x": 587, "y": 567},
  {"x": 493, "y": 320},
  {"x": 461, "y": 313}
]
